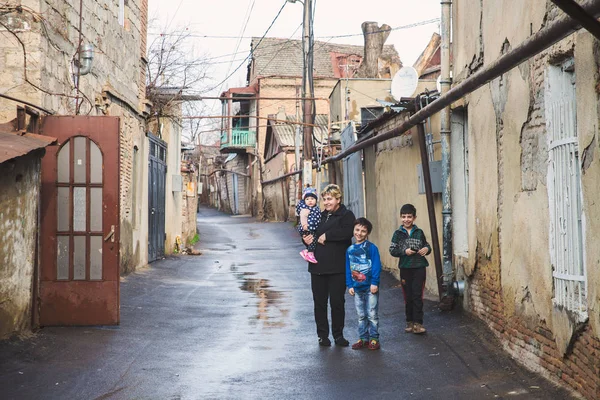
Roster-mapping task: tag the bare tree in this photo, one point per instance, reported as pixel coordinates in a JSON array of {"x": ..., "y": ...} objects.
[{"x": 175, "y": 70}]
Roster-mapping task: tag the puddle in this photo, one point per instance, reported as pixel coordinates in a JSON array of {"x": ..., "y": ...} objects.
[{"x": 270, "y": 309}]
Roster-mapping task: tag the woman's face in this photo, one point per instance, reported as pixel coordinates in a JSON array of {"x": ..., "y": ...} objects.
[{"x": 331, "y": 203}]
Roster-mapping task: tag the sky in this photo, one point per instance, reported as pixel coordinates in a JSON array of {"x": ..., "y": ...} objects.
[{"x": 224, "y": 21}]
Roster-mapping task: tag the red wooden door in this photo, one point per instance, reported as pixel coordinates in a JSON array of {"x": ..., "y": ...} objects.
[{"x": 79, "y": 279}]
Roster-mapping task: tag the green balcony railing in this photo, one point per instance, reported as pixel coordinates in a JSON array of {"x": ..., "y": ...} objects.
[{"x": 240, "y": 138}]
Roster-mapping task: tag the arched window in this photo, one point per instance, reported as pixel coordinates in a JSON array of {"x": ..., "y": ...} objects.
[{"x": 79, "y": 210}]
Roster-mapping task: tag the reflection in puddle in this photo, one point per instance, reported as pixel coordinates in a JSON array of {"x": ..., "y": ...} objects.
[{"x": 269, "y": 309}]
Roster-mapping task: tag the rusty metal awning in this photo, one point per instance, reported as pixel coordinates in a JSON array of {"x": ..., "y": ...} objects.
[{"x": 15, "y": 144}]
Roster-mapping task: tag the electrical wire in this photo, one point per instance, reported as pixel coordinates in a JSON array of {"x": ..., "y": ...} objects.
[{"x": 247, "y": 57}]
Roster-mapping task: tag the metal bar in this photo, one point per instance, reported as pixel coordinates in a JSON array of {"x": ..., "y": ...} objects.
[
  {"x": 530, "y": 47},
  {"x": 251, "y": 116},
  {"x": 435, "y": 241},
  {"x": 576, "y": 12},
  {"x": 281, "y": 177},
  {"x": 227, "y": 170}
]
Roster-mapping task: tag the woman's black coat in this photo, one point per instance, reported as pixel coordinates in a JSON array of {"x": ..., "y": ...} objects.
[{"x": 338, "y": 228}]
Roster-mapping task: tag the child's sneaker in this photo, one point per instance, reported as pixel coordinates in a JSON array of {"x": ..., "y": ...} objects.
[
  {"x": 374, "y": 344},
  {"x": 310, "y": 257},
  {"x": 303, "y": 254},
  {"x": 360, "y": 344},
  {"x": 418, "y": 328}
]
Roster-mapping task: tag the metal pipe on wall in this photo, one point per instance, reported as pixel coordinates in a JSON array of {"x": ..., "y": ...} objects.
[
  {"x": 445, "y": 128},
  {"x": 435, "y": 241}
]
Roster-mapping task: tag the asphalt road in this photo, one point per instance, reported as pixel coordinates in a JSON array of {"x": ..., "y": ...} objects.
[{"x": 236, "y": 323}]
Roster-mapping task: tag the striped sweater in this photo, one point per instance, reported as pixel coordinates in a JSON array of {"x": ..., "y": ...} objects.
[{"x": 416, "y": 240}]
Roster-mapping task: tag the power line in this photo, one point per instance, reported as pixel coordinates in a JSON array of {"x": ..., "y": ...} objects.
[
  {"x": 199, "y": 35},
  {"x": 248, "y": 56}
]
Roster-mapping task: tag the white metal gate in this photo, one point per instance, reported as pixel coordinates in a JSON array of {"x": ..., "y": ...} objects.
[
  {"x": 354, "y": 196},
  {"x": 564, "y": 190}
]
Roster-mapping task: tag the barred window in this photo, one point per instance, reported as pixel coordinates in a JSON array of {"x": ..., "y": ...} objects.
[{"x": 564, "y": 191}]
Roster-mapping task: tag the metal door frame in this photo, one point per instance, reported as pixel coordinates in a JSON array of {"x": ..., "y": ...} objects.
[{"x": 157, "y": 173}]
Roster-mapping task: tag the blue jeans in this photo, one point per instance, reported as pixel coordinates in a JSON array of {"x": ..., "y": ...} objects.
[{"x": 367, "y": 308}]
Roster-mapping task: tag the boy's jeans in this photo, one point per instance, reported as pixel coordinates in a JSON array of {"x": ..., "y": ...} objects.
[{"x": 367, "y": 308}]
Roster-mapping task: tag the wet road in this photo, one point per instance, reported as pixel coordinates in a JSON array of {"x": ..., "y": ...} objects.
[{"x": 237, "y": 323}]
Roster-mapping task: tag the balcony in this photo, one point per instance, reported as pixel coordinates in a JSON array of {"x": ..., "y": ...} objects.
[{"x": 240, "y": 141}]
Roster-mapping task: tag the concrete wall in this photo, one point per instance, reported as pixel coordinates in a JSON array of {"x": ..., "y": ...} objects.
[
  {"x": 115, "y": 85},
  {"x": 507, "y": 265},
  {"x": 19, "y": 194},
  {"x": 391, "y": 181},
  {"x": 362, "y": 93},
  {"x": 189, "y": 199}
]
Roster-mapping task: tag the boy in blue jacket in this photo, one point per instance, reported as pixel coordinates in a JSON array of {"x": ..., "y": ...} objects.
[{"x": 363, "y": 268}]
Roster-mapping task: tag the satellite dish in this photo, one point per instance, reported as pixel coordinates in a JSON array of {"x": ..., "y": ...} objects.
[{"x": 404, "y": 83}]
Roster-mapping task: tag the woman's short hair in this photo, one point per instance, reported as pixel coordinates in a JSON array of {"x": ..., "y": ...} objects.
[{"x": 333, "y": 190}]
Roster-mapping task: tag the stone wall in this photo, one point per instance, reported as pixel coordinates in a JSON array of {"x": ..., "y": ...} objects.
[
  {"x": 189, "y": 201},
  {"x": 19, "y": 194},
  {"x": 49, "y": 31},
  {"x": 508, "y": 267}
]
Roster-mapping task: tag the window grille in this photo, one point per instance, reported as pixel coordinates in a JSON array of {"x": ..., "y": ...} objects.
[{"x": 564, "y": 191}]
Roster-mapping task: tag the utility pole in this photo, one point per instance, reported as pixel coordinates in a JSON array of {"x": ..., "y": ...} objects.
[{"x": 307, "y": 91}]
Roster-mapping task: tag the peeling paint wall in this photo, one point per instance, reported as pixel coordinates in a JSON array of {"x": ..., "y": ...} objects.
[
  {"x": 19, "y": 194},
  {"x": 508, "y": 267}
]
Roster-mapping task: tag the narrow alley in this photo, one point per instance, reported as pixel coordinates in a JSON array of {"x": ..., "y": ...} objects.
[{"x": 237, "y": 322}]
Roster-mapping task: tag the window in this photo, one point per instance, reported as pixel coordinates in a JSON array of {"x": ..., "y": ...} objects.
[
  {"x": 459, "y": 145},
  {"x": 564, "y": 190},
  {"x": 122, "y": 12}
]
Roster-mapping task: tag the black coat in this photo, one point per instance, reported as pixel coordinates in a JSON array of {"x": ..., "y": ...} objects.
[{"x": 338, "y": 230}]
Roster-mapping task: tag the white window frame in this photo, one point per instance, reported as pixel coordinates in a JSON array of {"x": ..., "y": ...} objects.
[{"x": 567, "y": 245}]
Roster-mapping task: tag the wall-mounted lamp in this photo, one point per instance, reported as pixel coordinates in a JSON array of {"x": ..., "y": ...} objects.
[{"x": 87, "y": 56}]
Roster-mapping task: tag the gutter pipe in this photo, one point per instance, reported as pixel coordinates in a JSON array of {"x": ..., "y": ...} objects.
[{"x": 445, "y": 128}]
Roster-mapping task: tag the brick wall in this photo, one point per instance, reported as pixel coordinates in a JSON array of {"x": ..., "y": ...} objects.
[{"x": 508, "y": 268}]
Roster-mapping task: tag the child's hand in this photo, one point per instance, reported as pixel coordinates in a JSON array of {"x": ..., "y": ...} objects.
[
  {"x": 410, "y": 252},
  {"x": 305, "y": 227},
  {"x": 374, "y": 289},
  {"x": 423, "y": 251},
  {"x": 351, "y": 291}
]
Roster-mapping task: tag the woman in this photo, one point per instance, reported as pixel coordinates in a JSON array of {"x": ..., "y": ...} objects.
[{"x": 328, "y": 277}]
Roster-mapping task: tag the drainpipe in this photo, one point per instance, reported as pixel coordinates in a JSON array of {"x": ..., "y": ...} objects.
[{"x": 446, "y": 82}]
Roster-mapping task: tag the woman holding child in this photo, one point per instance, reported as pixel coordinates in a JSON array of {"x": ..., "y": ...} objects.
[{"x": 328, "y": 275}]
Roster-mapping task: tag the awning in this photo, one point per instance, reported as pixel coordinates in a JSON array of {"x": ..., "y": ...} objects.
[{"x": 15, "y": 144}]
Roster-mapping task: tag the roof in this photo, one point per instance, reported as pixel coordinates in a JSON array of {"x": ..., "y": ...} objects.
[
  {"x": 286, "y": 133},
  {"x": 283, "y": 57},
  {"x": 14, "y": 144}
]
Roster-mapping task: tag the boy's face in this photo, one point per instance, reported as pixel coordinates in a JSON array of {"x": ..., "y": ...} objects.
[
  {"x": 310, "y": 201},
  {"x": 360, "y": 233},
  {"x": 408, "y": 220}
]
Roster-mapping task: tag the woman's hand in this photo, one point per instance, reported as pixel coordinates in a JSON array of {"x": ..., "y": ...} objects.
[
  {"x": 308, "y": 239},
  {"x": 321, "y": 239},
  {"x": 408, "y": 252},
  {"x": 423, "y": 251}
]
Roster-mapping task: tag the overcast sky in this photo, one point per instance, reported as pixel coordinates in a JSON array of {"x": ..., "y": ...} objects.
[{"x": 230, "y": 18}]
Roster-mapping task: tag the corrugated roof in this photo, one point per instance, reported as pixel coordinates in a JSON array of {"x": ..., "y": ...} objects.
[
  {"x": 13, "y": 144},
  {"x": 285, "y": 133},
  {"x": 283, "y": 57}
]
